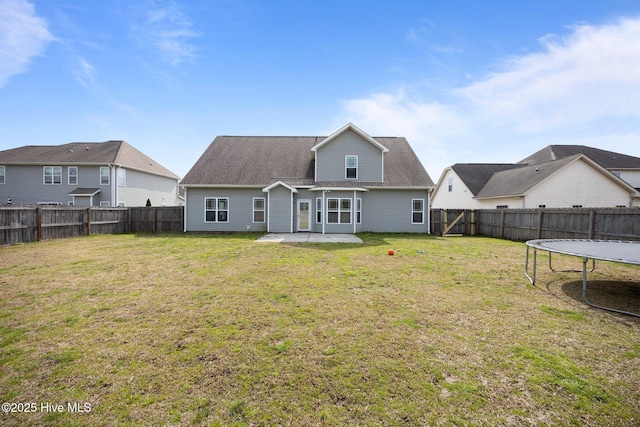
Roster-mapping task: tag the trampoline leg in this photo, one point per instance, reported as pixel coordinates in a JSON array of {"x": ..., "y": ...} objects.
[
  {"x": 526, "y": 266},
  {"x": 584, "y": 292}
]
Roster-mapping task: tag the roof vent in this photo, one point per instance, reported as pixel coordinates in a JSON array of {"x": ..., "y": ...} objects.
[
  {"x": 71, "y": 150},
  {"x": 87, "y": 148}
]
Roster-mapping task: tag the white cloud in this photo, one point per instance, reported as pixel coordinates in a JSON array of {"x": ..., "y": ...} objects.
[
  {"x": 580, "y": 89},
  {"x": 85, "y": 73},
  {"x": 23, "y": 36},
  {"x": 165, "y": 27},
  {"x": 588, "y": 75}
]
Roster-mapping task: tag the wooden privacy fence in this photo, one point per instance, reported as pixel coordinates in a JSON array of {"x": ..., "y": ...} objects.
[
  {"x": 28, "y": 224},
  {"x": 529, "y": 224}
]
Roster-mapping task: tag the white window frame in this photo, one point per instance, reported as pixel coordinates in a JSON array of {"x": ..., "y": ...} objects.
[
  {"x": 70, "y": 175},
  {"x": 3, "y": 174},
  {"x": 358, "y": 211},
  {"x": 121, "y": 176},
  {"x": 339, "y": 210},
  {"x": 319, "y": 210},
  {"x": 53, "y": 175},
  {"x": 263, "y": 210},
  {"x": 216, "y": 209},
  {"x": 347, "y": 166},
  {"x": 414, "y": 211},
  {"x": 450, "y": 184},
  {"x": 107, "y": 175},
  {"x": 105, "y": 204}
]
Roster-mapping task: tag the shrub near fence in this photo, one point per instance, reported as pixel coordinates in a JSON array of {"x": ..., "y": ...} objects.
[
  {"x": 529, "y": 224},
  {"x": 28, "y": 224}
]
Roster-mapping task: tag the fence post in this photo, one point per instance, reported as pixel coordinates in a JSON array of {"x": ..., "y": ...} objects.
[
  {"x": 38, "y": 224},
  {"x": 155, "y": 219},
  {"x": 473, "y": 222},
  {"x": 88, "y": 220},
  {"x": 539, "y": 232},
  {"x": 592, "y": 220},
  {"x": 502, "y": 224}
]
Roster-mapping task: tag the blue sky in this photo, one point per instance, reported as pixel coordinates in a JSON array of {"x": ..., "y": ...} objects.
[{"x": 464, "y": 81}]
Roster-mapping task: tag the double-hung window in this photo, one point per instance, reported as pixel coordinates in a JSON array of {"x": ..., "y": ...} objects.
[
  {"x": 358, "y": 211},
  {"x": 3, "y": 174},
  {"x": 52, "y": 175},
  {"x": 216, "y": 209},
  {"x": 72, "y": 175},
  {"x": 417, "y": 211},
  {"x": 121, "y": 175},
  {"x": 104, "y": 175},
  {"x": 339, "y": 211},
  {"x": 351, "y": 167},
  {"x": 258, "y": 209}
]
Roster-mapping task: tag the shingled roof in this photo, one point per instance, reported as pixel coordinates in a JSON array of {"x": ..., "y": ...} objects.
[
  {"x": 262, "y": 160},
  {"x": 85, "y": 153},
  {"x": 517, "y": 181},
  {"x": 476, "y": 175},
  {"x": 606, "y": 159}
]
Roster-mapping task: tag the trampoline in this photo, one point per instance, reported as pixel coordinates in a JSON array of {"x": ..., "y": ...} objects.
[{"x": 602, "y": 250}]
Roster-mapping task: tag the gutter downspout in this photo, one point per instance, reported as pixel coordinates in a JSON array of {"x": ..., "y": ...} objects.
[
  {"x": 114, "y": 186},
  {"x": 354, "y": 211},
  {"x": 324, "y": 212},
  {"x": 428, "y": 212},
  {"x": 186, "y": 202}
]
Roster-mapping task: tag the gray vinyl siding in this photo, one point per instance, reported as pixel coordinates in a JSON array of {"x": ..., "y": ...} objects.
[
  {"x": 390, "y": 211},
  {"x": 140, "y": 186},
  {"x": 240, "y": 209},
  {"x": 279, "y": 210},
  {"x": 330, "y": 161},
  {"x": 25, "y": 185}
]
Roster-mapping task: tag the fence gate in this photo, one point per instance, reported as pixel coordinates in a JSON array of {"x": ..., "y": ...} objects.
[{"x": 455, "y": 222}]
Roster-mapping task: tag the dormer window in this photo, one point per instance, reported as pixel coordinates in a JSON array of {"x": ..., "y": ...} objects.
[{"x": 351, "y": 167}]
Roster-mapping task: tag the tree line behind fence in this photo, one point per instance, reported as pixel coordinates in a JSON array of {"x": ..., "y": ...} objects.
[{"x": 19, "y": 224}]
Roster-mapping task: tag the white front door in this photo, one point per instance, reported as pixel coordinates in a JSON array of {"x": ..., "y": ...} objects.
[{"x": 304, "y": 215}]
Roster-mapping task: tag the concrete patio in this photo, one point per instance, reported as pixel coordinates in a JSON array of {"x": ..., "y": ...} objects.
[{"x": 308, "y": 238}]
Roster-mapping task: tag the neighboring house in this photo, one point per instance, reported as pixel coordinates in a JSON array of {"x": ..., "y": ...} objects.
[
  {"x": 345, "y": 183},
  {"x": 555, "y": 177},
  {"x": 111, "y": 173}
]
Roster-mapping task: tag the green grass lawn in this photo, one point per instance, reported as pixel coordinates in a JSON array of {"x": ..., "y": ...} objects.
[{"x": 221, "y": 330}]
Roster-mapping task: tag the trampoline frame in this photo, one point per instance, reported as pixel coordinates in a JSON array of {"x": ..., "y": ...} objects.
[{"x": 539, "y": 244}]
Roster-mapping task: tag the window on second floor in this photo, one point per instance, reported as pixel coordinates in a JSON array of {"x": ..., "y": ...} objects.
[
  {"x": 72, "y": 175},
  {"x": 122, "y": 177},
  {"x": 450, "y": 184},
  {"x": 351, "y": 167},
  {"x": 104, "y": 175},
  {"x": 52, "y": 175},
  {"x": 2, "y": 175}
]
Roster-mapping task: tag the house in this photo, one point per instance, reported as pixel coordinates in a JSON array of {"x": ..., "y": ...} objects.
[
  {"x": 346, "y": 182},
  {"x": 110, "y": 173},
  {"x": 555, "y": 177}
]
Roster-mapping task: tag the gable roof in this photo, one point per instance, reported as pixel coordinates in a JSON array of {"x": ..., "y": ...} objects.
[
  {"x": 85, "y": 153},
  {"x": 263, "y": 160},
  {"x": 607, "y": 159},
  {"x": 350, "y": 126},
  {"x": 519, "y": 180},
  {"x": 476, "y": 175}
]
